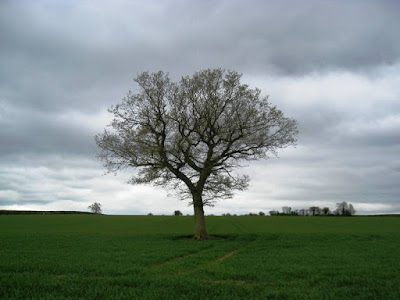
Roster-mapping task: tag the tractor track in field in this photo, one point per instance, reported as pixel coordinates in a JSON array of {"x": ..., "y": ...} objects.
[
  {"x": 206, "y": 264},
  {"x": 232, "y": 252},
  {"x": 226, "y": 255},
  {"x": 185, "y": 270},
  {"x": 180, "y": 257}
]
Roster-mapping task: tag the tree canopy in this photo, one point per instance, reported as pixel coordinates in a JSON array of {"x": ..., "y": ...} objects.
[
  {"x": 95, "y": 208},
  {"x": 191, "y": 135}
]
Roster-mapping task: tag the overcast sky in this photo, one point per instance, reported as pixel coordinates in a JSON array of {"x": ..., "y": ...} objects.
[{"x": 332, "y": 65}]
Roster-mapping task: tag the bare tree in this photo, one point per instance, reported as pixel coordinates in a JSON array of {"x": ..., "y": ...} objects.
[
  {"x": 326, "y": 211},
  {"x": 344, "y": 209},
  {"x": 286, "y": 210},
  {"x": 341, "y": 208},
  {"x": 177, "y": 213},
  {"x": 95, "y": 208},
  {"x": 303, "y": 212},
  {"x": 352, "y": 211},
  {"x": 191, "y": 135},
  {"x": 314, "y": 210}
]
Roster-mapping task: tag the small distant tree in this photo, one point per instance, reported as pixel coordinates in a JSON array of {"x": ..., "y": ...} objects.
[
  {"x": 261, "y": 213},
  {"x": 273, "y": 212},
  {"x": 341, "y": 208},
  {"x": 344, "y": 209},
  {"x": 149, "y": 214},
  {"x": 178, "y": 213},
  {"x": 352, "y": 211},
  {"x": 315, "y": 210},
  {"x": 326, "y": 211},
  {"x": 95, "y": 208},
  {"x": 286, "y": 210},
  {"x": 302, "y": 212}
]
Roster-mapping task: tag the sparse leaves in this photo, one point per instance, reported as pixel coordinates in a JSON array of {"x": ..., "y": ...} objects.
[
  {"x": 192, "y": 135},
  {"x": 344, "y": 209},
  {"x": 95, "y": 208}
]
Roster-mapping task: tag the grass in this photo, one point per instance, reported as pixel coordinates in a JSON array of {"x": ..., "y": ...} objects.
[{"x": 150, "y": 257}]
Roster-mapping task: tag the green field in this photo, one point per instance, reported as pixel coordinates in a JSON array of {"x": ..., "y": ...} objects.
[{"x": 151, "y": 257}]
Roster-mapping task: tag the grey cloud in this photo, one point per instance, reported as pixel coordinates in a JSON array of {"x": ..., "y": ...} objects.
[
  {"x": 24, "y": 132},
  {"x": 81, "y": 56},
  {"x": 42, "y": 184},
  {"x": 252, "y": 37}
]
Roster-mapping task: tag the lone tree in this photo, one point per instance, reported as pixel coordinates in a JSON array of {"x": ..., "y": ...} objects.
[
  {"x": 178, "y": 213},
  {"x": 191, "y": 135},
  {"x": 95, "y": 208}
]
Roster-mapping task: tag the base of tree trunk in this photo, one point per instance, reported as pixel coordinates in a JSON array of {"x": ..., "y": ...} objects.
[
  {"x": 201, "y": 237},
  {"x": 200, "y": 224}
]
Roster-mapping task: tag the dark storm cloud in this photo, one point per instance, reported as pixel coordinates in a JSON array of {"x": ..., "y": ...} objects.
[
  {"x": 31, "y": 131},
  {"x": 62, "y": 64},
  {"x": 81, "y": 55},
  {"x": 82, "y": 44}
]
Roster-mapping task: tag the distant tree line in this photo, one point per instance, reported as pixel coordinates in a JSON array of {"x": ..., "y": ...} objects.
[
  {"x": 342, "y": 209},
  {"x": 40, "y": 212}
]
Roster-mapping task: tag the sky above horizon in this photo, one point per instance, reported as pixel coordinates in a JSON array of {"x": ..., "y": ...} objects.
[{"x": 334, "y": 66}]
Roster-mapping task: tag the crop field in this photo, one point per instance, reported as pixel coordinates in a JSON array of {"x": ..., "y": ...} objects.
[{"x": 153, "y": 257}]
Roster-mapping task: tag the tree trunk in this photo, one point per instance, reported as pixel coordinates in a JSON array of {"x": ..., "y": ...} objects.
[{"x": 200, "y": 224}]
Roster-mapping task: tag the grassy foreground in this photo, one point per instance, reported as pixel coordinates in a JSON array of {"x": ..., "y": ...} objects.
[{"x": 149, "y": 257}]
